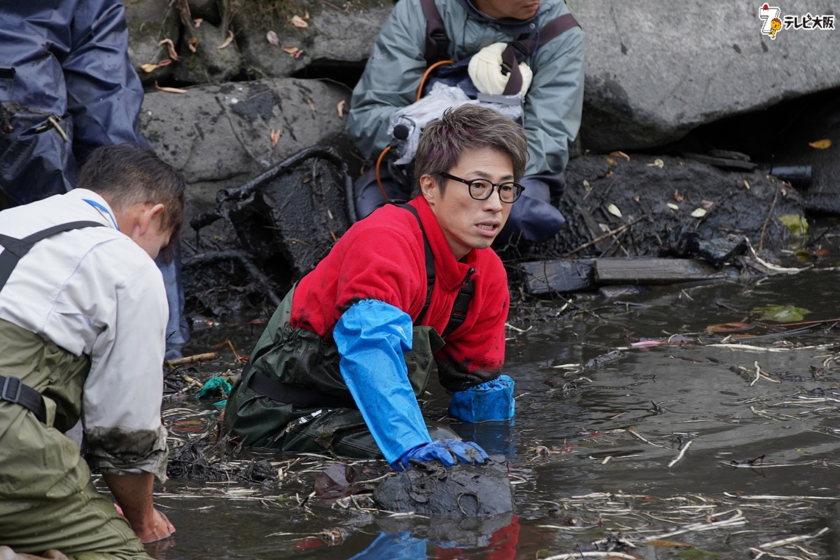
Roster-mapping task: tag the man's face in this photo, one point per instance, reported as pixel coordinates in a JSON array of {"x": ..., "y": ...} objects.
[
  {"x": 468, "y": 223},
  {"x": 517, "y": 9}
]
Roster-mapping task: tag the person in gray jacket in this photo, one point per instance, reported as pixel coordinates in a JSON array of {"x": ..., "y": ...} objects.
[{"x": 552, "y": 104}]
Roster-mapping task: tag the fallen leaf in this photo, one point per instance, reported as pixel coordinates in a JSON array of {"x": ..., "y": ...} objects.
[
  {"x": 272, "y": 38},
  {"x": 198, "y": 21},
  {"x": 609, "y": 174},
  {"x": 673, "y": 206},
  {"x": 611, "y": 161},
  {"x": 148, "y": 67},
  {"x": 820, "y": 144},
  {"x": 657, "y": 163},
  {"x": 340, "y": 108},
  {"x": 783, "y": 191},
  {"x": 275, "y": 137},
  {"x": 170, "y": 89},
  {"x": 309, "y": 102},
  {"x": 797, "y": 224},
  {"x": 613, "y": 209},
  {"x": 297, "y": 21},
  {"x": 620, "y": 154},
  {"x": 305, "y": 15},
  {"x": 586, "y": 186},
  {"x": 706, "y": 204},
  {"x": 746, "y": 185},
  {"x": 677, "y": 196},
  {"x": 294, "y": 52},
  {"x": 227, "y": 42},
  {"x": 170, "y": 46},
  {"x": 636, "y": 198},
  {"x": 165, "y": 62},
  {"x": 781, "y": 313},
  {"x": 192, "y": 43},
  {"x": 698, "y": 213}
]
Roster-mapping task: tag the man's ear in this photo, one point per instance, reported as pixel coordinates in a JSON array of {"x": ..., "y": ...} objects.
[
  {"x": 427, "y": 187},
  {"x": 148, "y": 215}
]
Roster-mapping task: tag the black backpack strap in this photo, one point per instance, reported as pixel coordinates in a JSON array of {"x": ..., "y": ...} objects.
[
  {"x": 462, "y": 305},
  {"x": 15, "y": 249},
  {"x": 430, "y": 262},
  {"x": 437, "y": 42},
  {"x": 12, "y": 390},
  {"x": 525, "y": 45}
]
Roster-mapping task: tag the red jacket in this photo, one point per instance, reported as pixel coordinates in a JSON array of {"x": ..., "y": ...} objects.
[{"x": 382, "y": 257}]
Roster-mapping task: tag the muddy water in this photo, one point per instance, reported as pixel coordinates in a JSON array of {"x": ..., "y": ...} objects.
[{"x": 595, "y": 449}]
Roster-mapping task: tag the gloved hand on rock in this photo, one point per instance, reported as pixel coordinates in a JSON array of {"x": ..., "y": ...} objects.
[{"x": 447, "y": 451}]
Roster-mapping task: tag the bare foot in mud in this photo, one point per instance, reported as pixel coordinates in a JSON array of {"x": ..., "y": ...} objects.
[{"x": 7, "y": 553}]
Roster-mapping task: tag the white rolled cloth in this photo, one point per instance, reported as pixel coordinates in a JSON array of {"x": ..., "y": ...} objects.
[{"x": 485, "y": 70}]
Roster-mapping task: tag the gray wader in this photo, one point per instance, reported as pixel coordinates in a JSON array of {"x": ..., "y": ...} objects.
[{"x": 309, "y": 366}]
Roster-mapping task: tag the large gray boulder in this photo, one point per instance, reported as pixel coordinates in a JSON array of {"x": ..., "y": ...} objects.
[
  {"x": 656, "y": 70},
  {"x": 219, "y": 135}
]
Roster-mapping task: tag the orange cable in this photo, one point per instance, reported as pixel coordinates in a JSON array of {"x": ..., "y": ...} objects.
[
  {"x": 426, "y": 75},
  {"x": 378, "y": 180}
]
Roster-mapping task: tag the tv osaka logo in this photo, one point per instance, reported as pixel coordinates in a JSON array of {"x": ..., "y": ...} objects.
[{"x": 773, "y": 21}]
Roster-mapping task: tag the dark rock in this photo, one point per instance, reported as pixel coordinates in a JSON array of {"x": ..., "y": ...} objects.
[
  {"x": 333, "y": 38},
  {"x": 208, "y": 64},
  {"x": 459, "y": 491},
  {"x": 149, "y": 22}
]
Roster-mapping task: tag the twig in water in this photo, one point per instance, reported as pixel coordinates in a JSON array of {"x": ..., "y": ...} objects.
[
  {"x": 767, "y": 219},
  {"x": 791, "y": 540},
  {"x": 634, "y": 434},
  {"x": 680, "y": 456},
  {"x": 606, "y": 235}
]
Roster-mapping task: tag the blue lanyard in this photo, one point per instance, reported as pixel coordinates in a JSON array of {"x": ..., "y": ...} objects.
[{"x": 104, "y": 209}]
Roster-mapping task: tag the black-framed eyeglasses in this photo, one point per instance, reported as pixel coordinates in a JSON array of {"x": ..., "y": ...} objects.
[{"x": 482, "y": 189}]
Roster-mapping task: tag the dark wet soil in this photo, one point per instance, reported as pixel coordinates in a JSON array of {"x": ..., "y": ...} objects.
[{"x": 638, "y": 430}]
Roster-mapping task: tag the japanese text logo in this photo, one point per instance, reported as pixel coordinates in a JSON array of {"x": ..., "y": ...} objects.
[{"x": 772, "y": 21}]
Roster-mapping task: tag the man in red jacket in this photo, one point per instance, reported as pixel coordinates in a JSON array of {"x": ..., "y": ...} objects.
[{"x": 343, "y": 359}]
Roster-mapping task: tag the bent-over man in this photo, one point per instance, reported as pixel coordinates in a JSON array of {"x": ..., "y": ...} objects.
[
  {"x": 345, "y": 356},
  {"x": 83, "y": 314}
]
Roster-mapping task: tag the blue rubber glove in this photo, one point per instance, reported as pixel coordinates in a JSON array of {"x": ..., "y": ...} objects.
[
  {"x": 492, "y": 400},
  {"x": 446, "y": 451},
  {"x": 372, "y": 339}
]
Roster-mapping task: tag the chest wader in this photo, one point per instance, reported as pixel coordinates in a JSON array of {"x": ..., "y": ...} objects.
[
  {"x": 46, "y": 497},
  {"x": 292, "y": 397}
]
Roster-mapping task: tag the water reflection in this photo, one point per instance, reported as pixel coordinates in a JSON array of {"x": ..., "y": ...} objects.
[{"x": 492, "y": 538}]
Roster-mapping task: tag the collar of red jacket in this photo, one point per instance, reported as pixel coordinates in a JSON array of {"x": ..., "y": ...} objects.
[{"x": 450, "y": 272}]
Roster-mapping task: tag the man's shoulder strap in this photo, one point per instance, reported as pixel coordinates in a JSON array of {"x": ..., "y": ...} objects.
[{"x": 437, "y": 42}]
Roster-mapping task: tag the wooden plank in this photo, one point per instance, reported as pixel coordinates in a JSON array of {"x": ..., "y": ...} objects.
[
  {"x": 564, "y": 275},
  {"x": 652, "y": 271}
]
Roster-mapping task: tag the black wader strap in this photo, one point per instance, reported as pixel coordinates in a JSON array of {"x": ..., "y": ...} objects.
[
  {"x": 437, "y": 42},
  {"x": 294, "y": 394},
  {"x": 12, "y": 390},
  {"x": 430, "y": 262},
  {"x": 15, "y": 249}
]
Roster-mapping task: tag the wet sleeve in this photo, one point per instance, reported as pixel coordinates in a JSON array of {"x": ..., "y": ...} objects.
[
  {"x": 554, "y": 103},
  {"x": 391, "y": 78},
  {"x": 122, "y": 394},
  {"x": 104, "y": 94},
  {"x": 475, "y": 352}
]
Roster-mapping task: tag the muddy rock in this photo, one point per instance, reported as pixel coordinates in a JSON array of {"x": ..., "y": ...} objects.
[
  {"x": 666, "y": 199},
  {"x": 149, "y": 22},
  {"x": 212, "y": 62},
  {"x": 219, "y": 135},
  {"x": 332, "y": 38},
  {"x": 459, "y": 491},
  {"x": 705, "y": 66}
]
